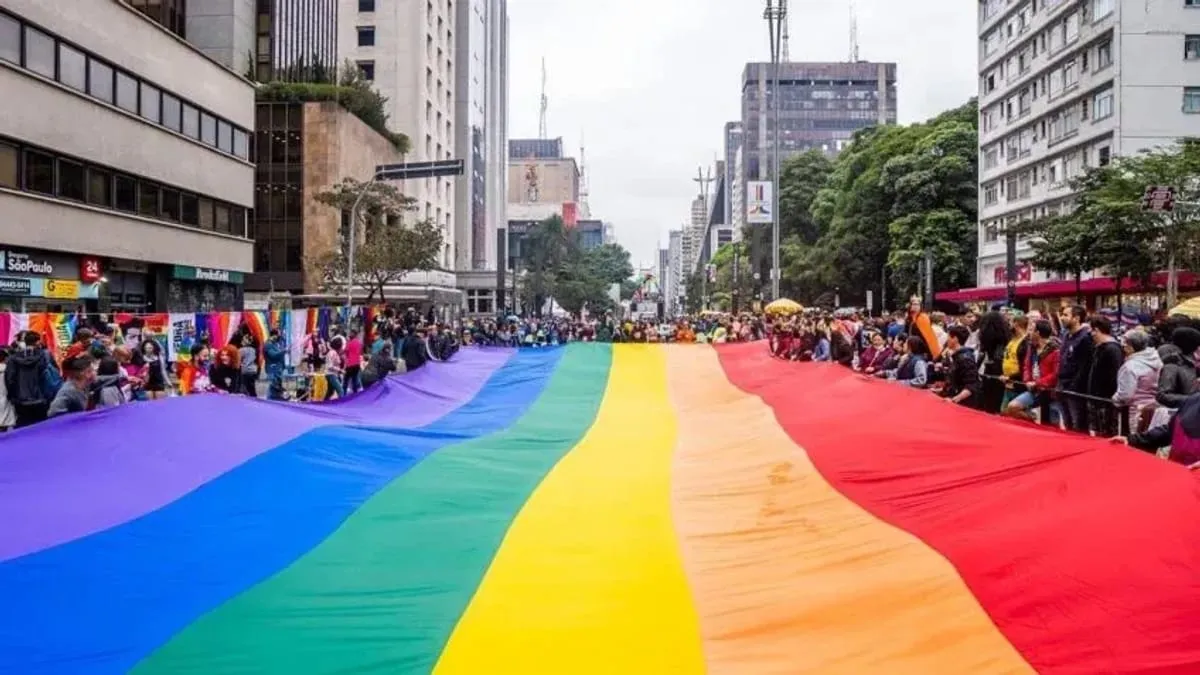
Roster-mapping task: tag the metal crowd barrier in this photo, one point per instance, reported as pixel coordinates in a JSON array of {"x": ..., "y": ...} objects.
[{"x": 1061, "y": 396}]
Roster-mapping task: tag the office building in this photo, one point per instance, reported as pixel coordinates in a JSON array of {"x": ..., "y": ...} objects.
[
  {"x": 301, "y": 150},
  {"x": 538, "y": 173},
  {"x": 673, "y": 284},
  {"x": 125, "y": 174},
  {"x": 1068, "y": 85},
  {"x": 293, "y": 40},
  {"x": 408, "y": 50},
  {"x": 733, "y": 144},
  {"x": 481, "y": 123},
  {"x": 822, "y": 105}
]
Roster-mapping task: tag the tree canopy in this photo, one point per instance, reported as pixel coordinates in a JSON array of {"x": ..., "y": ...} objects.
[
  {"x": 386, "y": 248},
  {"x": 872, "y": 213},
  {"x": 1107, "y": 227},
  {"x": 557, "y": 266}
]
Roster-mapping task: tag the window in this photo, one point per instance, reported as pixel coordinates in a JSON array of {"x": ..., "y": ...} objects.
[
  {"x": 208, "y": 129},
  {"x": 990, "y": 194},
  {"x": 1070, "y": 76},
  {"x": 8, "y": 166},
  {"x": 1191, "y": 100},
  {"x": 191, "y": 122},
  {"x": 1071, "y": 27},
  {"x": 1101, "y": 9},
  {"x": 224, "y": 136},
  {"x": 148, "y": 194},
  {"x": 127, "y": 92},
  {"x": 150, "y": 103},
  {"x": 39, "y": 172},
  {"x": 100, "y": 82},
  {"x": 99, "y": 190},
  {"x": 991, "y": 232},
  {"x": 1102, "y": 106},
  {"x": 189, "y": 209},
  {"x": 1104, "y": 55},
  {"x": 206, "y": 214},
  {"x": 171, "y": 112},
  {"x": 39, "y": 52},
  {"x": 72, "y": 67},
  {"x": 991, "y": 158},
  {"x": 10, "y": 39},
  {"x": 368, "y": 70},
  {"x": 1104, "y": 156},
  {"x": 221, "y": 218},
  {"x": 170, "y": 205},
  {"x": 71, "y": 182},
  {"x": 1191, "y": 47},
  {"x": 241, "y": 143},
  {"x": 125, "y": 193},
  {"x": 366, "y": 5},
  {"x": 366, "y": 36}
]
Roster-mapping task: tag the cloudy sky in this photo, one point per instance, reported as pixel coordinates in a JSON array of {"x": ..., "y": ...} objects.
[{"x": 650, "y": 83}]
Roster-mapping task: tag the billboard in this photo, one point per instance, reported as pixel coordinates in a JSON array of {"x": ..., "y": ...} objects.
[
  {"x": 570, "y": 214},
  {"x": 760, "y": 202}
]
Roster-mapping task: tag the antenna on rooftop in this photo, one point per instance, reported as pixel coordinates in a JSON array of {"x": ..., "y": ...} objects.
[
  {"x": 853, "y": 33},
  {"x": 543, "y": 131}
]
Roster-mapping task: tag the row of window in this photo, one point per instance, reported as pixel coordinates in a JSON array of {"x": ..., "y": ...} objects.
[
  {"x": 52, "y": 58},
  {"x": 1053, "y": 129},
  {"x": 43, "y": 172},
  {"x": 1057, "y": 35},
  {"x": 1053, "y": 173}
]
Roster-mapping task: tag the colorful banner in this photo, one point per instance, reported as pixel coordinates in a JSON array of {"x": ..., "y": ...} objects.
[{"x": 637, "y": 509}]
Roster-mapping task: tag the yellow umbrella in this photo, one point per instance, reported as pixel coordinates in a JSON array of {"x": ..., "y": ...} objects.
[
  {"x": 1189, "y": 308},
  {"x": 784, "y": 306}
]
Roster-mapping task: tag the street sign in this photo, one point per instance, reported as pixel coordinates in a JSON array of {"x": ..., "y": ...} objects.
[
  {"x": 870, "y": 301},
  {"x": 1158, "y": 198},
  {"x": 410, "y": 170}
]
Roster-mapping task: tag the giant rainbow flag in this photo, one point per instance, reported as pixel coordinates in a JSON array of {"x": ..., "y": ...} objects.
[{"x": 629, "y": 510}]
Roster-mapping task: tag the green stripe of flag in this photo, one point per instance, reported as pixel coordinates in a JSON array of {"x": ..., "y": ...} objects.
[{"x": 384, "y": 592}]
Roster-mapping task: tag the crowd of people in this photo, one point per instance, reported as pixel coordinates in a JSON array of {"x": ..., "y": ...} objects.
[
  {"x": 1073, "y": 370},
  {"x": 515, "y": 331}
]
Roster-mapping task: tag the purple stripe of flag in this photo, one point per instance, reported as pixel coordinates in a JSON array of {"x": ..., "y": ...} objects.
[{"x": 55, "y": 488}]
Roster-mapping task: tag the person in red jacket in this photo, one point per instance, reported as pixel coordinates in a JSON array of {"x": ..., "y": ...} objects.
[{"x": 1039, "y": 372}]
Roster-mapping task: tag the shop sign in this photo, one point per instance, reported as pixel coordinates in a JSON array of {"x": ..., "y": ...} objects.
[
  {"x": 208, "y": 274},
  {"x": 135, "y": 299},
  {"x": 61, "y": 289},
  {"x": 89, "y": 269},
  {"x": 15, "y": 262},
  {"x": 130, "y": 266},
  {"x": 15, "y": 286}
]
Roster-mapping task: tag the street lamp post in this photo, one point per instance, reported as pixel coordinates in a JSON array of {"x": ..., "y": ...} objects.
[{"x": 776, "y": 16}]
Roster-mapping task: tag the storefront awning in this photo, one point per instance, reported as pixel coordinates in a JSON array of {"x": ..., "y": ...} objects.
[{"x": 1066, "y": 289}]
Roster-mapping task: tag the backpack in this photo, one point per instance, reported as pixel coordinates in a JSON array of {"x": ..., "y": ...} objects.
[{"x": 51, "y": 381}]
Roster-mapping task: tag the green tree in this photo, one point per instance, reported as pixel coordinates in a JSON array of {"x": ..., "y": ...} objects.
[
  {"x": 801, "y": 178},
  {"x": 894, "y": 193},
  {"x": 1063, "y": 244},
  {"x": 556, "y": 266},
  {"x": 386, "y": 247}
]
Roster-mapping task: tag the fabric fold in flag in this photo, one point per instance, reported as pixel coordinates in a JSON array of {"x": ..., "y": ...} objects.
[{"x": 592, "y": 510}]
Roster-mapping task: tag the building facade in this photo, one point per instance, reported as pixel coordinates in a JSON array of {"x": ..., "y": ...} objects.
[
  {"x": 673, "y": 283},
  {"x": 733, "y": 144},
  {"x": 1068, "y": 85},
  {"x": 125, "y": 174},
  {"x": 408, "y": 50},
  {"x": 301, "y": 150},
  {"x": 481, "y": 120},
  {"x": 821, "y": 106}
]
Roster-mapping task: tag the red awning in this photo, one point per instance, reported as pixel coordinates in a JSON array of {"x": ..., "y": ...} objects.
[{"x": 1066, "y": 289}]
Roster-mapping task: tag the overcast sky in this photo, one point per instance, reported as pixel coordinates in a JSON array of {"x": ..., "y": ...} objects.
[{"x": 651, "y": 83}]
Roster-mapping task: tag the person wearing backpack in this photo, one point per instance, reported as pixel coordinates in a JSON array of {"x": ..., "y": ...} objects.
[{"x": 28, "y": 376}]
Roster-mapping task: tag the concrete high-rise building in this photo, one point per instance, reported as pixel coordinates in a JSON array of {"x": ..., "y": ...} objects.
[
  {"x": 408, "y": 49},
  {"x": 125, "y": 164},
  {"x": 823, "y": 105},
  {"x": 273, "y": 39},
  {"x": 481, "y": 121},
  {"x": 1067, "y": 85},
  {"x": 733, "y": 143},
  {"x": 673, "y": 284}
]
